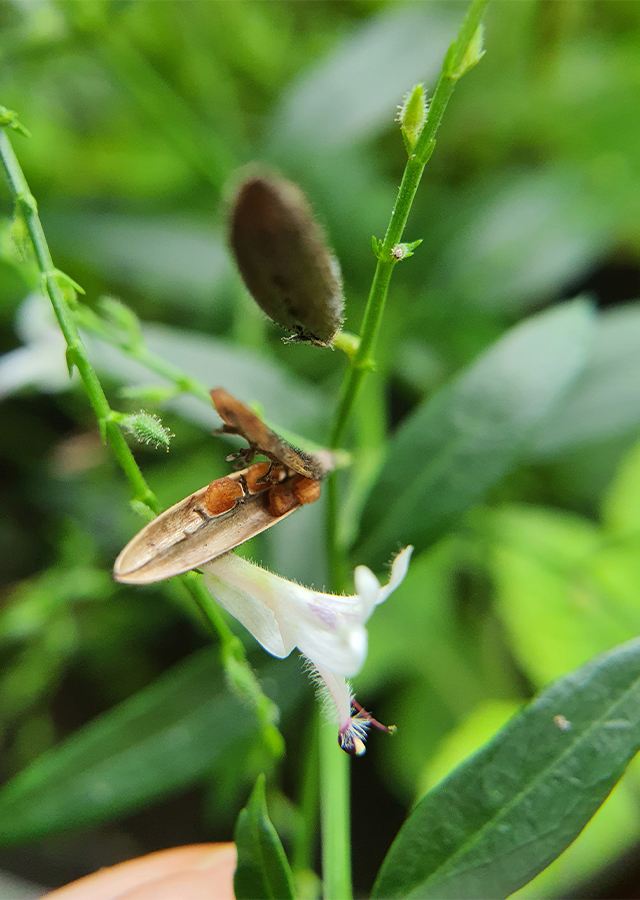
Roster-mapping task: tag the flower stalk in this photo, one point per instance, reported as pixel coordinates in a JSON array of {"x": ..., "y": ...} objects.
[{"x": 465, "y": 51}]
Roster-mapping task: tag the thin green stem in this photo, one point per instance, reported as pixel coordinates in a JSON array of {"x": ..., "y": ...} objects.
[
  {"x": 335, "y": 815},
  {"x": 181, "y": 380},
  {"x": 461, "y": 56},
  {"x": 455, "y": 65},
  {"x": 238, "y": 670},
  {"x": 304, "y": 841},
  {"x": 76, "y": 353},
  {"x": 87, "y": 319}
]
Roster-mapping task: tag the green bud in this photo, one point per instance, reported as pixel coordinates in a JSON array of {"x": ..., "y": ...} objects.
[
  {"x": 147, "y": 429},
  {"x": 412, "y": 115},
  {"x": 473, "y": 54},
  {"x": 9, "y": 119},
  {"x": 122, "y": 318},
  {"x": 282, "y": 255},
  {"x": 404, "y": 251}
]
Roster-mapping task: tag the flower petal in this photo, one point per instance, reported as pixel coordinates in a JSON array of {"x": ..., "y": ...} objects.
[
  {"x": 399, "y": 568},
  {"x": 237, "y": 593},
  {"x": 327, "y": 628}
]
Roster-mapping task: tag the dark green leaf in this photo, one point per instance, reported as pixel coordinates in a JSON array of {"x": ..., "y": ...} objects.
[
  {"x": 262, "y": 871},
  {"x": 159, "y": 741},
  {"x": 459, "y": 443},
  {"x": 514, "y": 806}
]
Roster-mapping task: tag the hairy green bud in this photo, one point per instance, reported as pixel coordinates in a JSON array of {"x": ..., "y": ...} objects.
[
  {"x": 473, "y": 55},
  {"x": 412, "y": 115},
  {"x": 147, "y": 429}
]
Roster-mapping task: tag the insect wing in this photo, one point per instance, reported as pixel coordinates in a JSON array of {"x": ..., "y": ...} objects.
[{"x": 239, "y": 419}]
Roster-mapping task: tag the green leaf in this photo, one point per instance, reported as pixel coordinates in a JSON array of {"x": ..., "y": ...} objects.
[
  {"x": 461, "y": 441},
  {"x": 262, "y": 871},
  {"x": 614, "y": 830},
  {"x": 513, "y": 807},
  {"x": 519, "y": 237},
  {"x": 563, "y": 593},
  {"x": 605, "y": 400},
  {"x": 157, "y": 742},
  {"x": 621, "y": 504}
]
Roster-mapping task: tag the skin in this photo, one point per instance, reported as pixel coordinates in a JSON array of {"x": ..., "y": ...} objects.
[{"x": 198, "y": 872}]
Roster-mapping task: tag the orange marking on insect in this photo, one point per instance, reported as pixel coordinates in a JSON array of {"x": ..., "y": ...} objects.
[
  {"x": 261, "y": 476},
  {"x": 222, "y": 495},
  {"x": 280, "y": 499},
  {"x": 305, "y": 490}
]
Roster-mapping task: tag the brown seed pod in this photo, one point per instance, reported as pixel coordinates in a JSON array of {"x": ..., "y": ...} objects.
[
  {"x": 195, "y": 531},
  {"x": 229, "y": 511},
  {"x": 284, "y": 260}
]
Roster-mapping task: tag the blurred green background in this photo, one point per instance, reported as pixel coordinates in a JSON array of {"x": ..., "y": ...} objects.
[{"x": 140, "y": 112}]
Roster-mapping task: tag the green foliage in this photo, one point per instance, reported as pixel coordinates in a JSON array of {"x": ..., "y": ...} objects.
[
  {"x": 262, "y": 872},
  {"x": 456, "y": 445},
  {"x": 139, "y": 113},
  {"x": 514, "y": 806},
  {"x": 159, "y": 741}
]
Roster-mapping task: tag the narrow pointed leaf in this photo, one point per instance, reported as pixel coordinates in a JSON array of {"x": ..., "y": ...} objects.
[
  {"x": 461, "y": 441},
  {"x": 262, "y": 871},
  {"x": 154, "y": 744},
  {"x": 512, "y": 808}
]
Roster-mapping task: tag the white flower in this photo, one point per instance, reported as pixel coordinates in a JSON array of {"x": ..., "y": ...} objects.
[{"x": 327, "y": 628}]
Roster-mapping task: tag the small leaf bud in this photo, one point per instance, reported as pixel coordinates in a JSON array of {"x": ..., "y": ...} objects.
[
  {"x": 473, "y": 54},
  {"x": 412, "y": 115},
  {"x": 404, "y": 251},
  {"x": 9, "y": 119},
  {"x": 147, "y": 429}
]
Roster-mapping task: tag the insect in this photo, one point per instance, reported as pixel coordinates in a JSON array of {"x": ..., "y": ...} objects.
[{"x": 231, "y": 509}]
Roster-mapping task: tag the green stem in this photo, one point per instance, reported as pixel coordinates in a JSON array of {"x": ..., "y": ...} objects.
[
  {"x": 304, "y": 841},
  {"x": 238, "y": 670},
  {"x": 335, "y": 815},
  {"x": 455, "y": 65},
  {"x": 76, "y": 353},
  {"x": 461, "y": 56}
]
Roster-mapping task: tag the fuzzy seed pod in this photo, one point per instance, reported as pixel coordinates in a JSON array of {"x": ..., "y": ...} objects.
[{"x": 283, "y": 258}]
